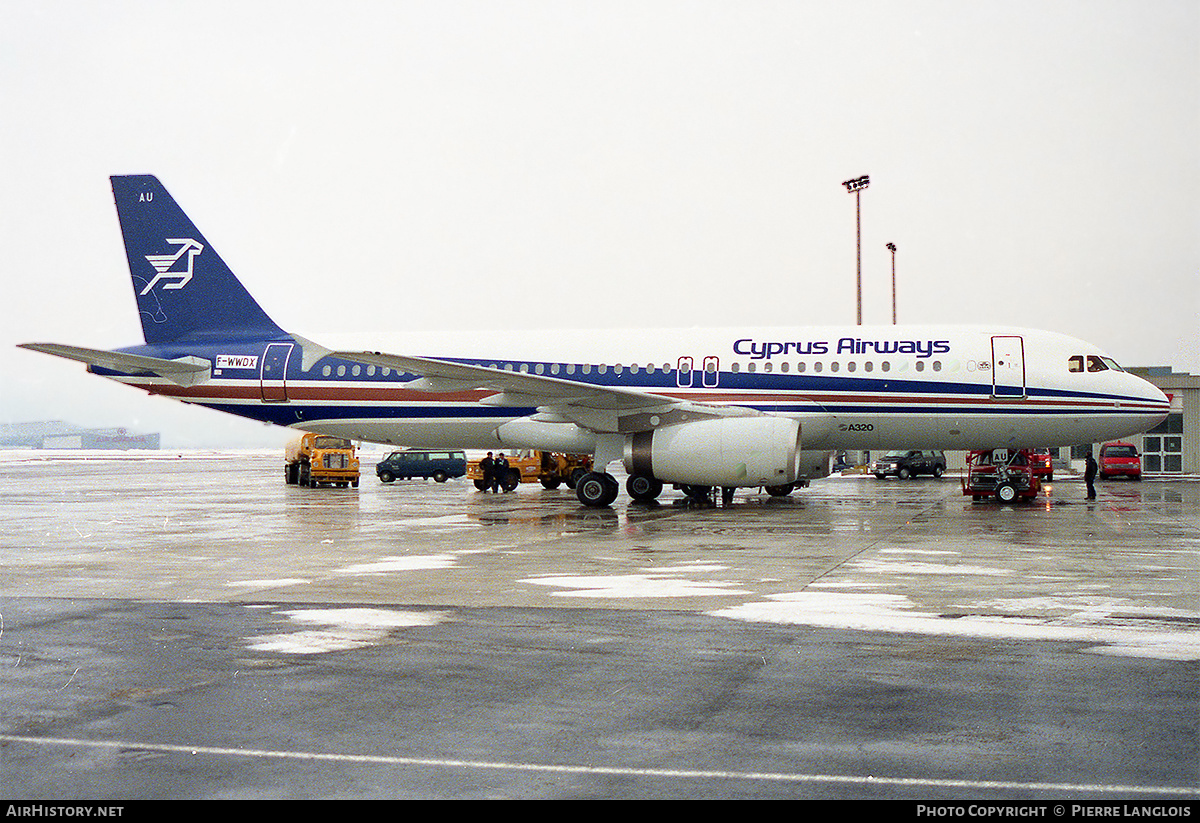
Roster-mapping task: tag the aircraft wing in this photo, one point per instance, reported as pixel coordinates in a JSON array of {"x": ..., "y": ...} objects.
[
  {"x": 186, "y": 371},
  {"x": 598, "y": 408}
]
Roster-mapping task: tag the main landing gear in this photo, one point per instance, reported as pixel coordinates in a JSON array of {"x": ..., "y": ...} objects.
[
  {"x": 643, "y": 489},
  {"x": 598, "y": 489}
]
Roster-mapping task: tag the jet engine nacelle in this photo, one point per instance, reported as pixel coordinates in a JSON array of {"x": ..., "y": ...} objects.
[{"x": 724, "y": 451}]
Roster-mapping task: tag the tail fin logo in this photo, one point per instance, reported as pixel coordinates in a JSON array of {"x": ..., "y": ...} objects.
[{"x": 168, "y": 266}]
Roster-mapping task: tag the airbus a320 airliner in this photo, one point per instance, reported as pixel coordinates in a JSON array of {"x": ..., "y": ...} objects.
[{"x": 745, "y": 407}]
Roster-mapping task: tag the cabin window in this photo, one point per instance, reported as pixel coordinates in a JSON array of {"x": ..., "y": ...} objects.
[
  {"x": 817, "y": 366},
  {"x": 767, "y": 366},
  {"x": 800, "y": 366},
  {"x": 886, "y": 365},
  {"x": 851, "y": 366},
  {"x": 834, "y": 366},
  {"x": 783, "y": 367},
  {"x": 868, "y": 366},
  {"x": 327, "y": 371},
  {"x": 735, "y": 367}
]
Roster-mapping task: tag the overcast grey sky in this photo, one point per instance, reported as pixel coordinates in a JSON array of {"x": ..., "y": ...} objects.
[{"x": 422, "y": 165}]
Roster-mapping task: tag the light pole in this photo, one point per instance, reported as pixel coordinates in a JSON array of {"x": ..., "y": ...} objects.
[
  {"x": 892, "y": 249},
  {"x": 855, "y": 187}
]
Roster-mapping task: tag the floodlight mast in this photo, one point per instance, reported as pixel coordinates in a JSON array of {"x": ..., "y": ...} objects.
[
  {"x": 855, "y": 187},
  {"x": 892, "y": 249}
]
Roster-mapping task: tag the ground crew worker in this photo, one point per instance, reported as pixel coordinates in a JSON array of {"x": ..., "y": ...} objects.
[
  {"x": 488, "y": 467},
  {"x": 499, "y": 472}
]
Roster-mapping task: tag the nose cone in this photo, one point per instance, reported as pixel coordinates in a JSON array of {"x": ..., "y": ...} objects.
[{"x": 1150, "y": 399}]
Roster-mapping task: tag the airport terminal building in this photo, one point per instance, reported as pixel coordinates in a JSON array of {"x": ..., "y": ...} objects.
[
  {"x": 1173, "y": 446},
  {"x": 57, "y": 434}
]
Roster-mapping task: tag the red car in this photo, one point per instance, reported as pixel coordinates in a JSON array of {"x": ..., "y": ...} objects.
[{"x": 1120, "y": 460}]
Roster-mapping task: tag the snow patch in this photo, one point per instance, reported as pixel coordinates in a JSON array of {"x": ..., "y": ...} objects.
[
  {"x": 664, "y": 583},
  {"x": 343, "y": 629},
  {"x": 896, "y": 613}
]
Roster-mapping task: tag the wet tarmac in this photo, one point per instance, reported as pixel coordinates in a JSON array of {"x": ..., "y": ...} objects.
[{"x": 188, "y": 626}]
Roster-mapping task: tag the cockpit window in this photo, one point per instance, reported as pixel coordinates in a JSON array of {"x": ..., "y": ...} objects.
[{"x": 1094, "y": 363}]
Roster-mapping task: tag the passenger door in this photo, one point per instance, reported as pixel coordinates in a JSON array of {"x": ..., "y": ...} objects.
[
  {"x": 273, "y": 376},
  {"x": 1008, "y": 366}
]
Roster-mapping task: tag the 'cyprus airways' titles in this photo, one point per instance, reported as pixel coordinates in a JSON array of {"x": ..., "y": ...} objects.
[{"x": 766, "y": 349}]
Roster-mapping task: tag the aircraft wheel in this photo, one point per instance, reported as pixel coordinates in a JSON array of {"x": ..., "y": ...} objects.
[
  {"x": 643, "y": 488},
  {"x": 596, "y": 490},
  {"x": 1006, "y": 493},
  {"x": 781, "y": 491}
]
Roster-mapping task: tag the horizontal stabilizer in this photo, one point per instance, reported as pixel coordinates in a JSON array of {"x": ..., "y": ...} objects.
[{"x": 186, "y": 371}]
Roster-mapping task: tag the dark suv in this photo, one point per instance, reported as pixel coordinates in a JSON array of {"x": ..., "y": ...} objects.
[
  {"x": 909, "y": 463},
  {"x": 441, "y": 466}
]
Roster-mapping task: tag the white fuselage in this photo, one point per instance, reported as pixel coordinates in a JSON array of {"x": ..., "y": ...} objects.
[{"x": 855, "y": 387}]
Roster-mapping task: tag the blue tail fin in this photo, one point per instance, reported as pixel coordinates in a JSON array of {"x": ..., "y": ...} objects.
[{"x": 184, "y": 289}]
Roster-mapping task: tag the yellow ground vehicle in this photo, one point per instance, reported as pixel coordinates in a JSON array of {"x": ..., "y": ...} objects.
[
  {"x": 314, "y": 459},
  {"x": 551, "y": 469}
]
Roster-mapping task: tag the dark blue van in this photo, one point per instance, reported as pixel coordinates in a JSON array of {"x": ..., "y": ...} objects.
[{"x": 440, "y": 465}]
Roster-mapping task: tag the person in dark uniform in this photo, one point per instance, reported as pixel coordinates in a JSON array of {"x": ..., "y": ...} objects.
[
  {"x": 1089, "y": 475},
  {"x": 499, "y": 472},
  {"x": 487, "y": 466}
]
